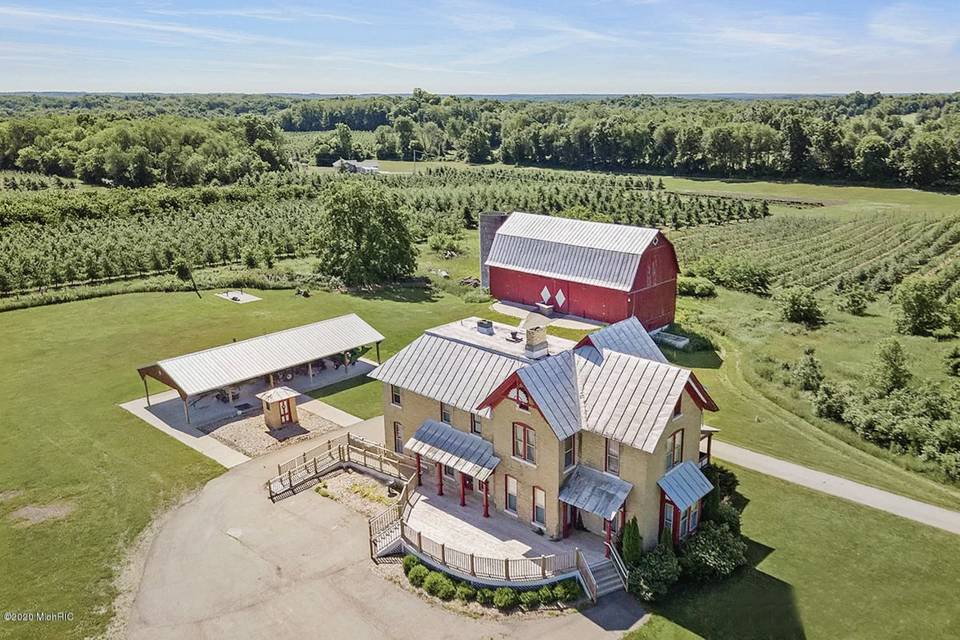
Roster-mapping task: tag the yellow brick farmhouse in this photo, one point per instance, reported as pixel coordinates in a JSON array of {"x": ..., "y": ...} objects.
[{"x": 558, "y": 434}]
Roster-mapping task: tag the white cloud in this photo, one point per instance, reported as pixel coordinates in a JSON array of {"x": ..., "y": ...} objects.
[{"x": 917, "y": 25}]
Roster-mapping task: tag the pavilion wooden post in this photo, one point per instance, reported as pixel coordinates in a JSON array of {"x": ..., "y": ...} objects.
[
  {"x": 186, "y": 410},
  {"x": 378, "y": 353},
  {"x": 439, "y": 479},
  {"x": 310, "y": 370},
  {"x": 486, "y": 498},
  {"x": 146, "y": 389},
  {"x": 463, "y": 489},
  {"x": 346, "y": 363},
  {"x": 419, "y": 476}
]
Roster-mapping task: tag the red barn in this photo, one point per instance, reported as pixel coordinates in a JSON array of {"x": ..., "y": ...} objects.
[{"x": 605, "y": 272}]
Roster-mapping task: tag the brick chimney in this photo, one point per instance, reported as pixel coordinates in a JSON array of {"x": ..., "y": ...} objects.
[{"x": 536, "y": 343}]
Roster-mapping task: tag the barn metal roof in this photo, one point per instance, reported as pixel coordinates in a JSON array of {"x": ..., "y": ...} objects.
[
  {"x": 595, "y": 491},
  {"x": 229, "y": 364},
  {"x": 465, "y": 452},
  {"x": 685, "y": 484},
  {"x": 457, "y": 365},
  {"x": 603, "y": 254}
]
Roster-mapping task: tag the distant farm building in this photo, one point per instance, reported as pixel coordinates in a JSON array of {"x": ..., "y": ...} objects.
[
  {"x": 354, "y": 166},
  {"x": 605, "y": 272}
]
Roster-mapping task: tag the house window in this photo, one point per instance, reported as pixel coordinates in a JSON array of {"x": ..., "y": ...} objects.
[
  {"x": 524, "y": 443},
  {"x": 675, "y": 449},
  {"x": 449, "y": 471},
  {"x": 398, "y": 437},
  {"x": 395, "y": 395},
  {"x": 677, "y": 410},
  {"x": 668, "y": 517},
  {"x": 519, "y": 395},
  {"x": 684, "y": 523},
  {"x": 445, "y": 414},
  {"x": 694, "y": 516},
  {"x": 569, "y": 452},
  {"x": 475, "y": 424},
  {"x": 612, "y": 459},
  {"x": 539, "y": 507},
  {"x": 511, "y": 498}
]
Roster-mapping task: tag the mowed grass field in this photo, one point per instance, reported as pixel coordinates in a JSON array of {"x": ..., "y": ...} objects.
[{"x": 822, "y": 568}]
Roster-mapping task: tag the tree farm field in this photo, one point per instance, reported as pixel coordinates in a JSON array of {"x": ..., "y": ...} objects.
[{"x": 64, "y": 439}]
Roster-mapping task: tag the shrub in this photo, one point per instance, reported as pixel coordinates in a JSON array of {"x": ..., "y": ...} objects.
[
  {"x": 567, "y": 590},
  {"x": 655, "y": 573},
  {"x": 530, "y": 599},
  {"x": 696, "y": 287},
  {"x": 547, "y": 595},
  {"x": 920, "y": 309},
  {"x": 417, "y": 575},
  {"x": 953, "y": 315},
  {"x": 712, "y": 553},
  {"x": 853, "y": 301},
  {"x": 727, "y": 514},
  {"x": 725, "y": 481},
  {"x": 485, "y": 596},
  {"x": 952, "y": 360},
  {"x": 830, "y": 402},
  {"x": 504, "y": 598},
  {"x": 465, "y": 593},
  {"x": 439, "y": 585},
  {"x": 409, "y": 562},
  {"x": 800, "y": 305},
  {"x": 632, "y": 542},
  {"x": 890, "y": 369},
  {"x": 808, "y": 374},
  {"x": 475, "y": 296}
]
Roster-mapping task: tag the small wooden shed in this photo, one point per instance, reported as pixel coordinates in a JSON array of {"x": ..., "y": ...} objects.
[{"x": 279, "y": 407}]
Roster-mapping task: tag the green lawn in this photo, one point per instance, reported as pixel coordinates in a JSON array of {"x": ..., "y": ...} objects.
[
  {"x": 821, "y": 567},
  {"x": 64, "y": 370}
]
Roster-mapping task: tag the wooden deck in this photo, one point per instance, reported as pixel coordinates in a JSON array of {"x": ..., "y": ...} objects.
[{"x": 499, "y": 536}]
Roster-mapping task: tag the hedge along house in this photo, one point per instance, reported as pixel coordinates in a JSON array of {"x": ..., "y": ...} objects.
[
  {"x": 557, "y": 434},
  {"x": 237, "y": 372},
  {"x": 600, "y": 271}
]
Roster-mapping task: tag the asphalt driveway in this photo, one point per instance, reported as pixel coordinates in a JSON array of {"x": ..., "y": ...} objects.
[{"x": 231, "y": 564}]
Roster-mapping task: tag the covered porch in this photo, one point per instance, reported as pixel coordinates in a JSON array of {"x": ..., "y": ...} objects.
[{"x": 589, "y": 491}]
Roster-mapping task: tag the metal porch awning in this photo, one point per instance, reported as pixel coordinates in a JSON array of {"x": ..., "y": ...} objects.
[
  {"x": 685, "y": 484},
  {"x": 594, "y": 491},
  {"x": 465, "y": 452}
]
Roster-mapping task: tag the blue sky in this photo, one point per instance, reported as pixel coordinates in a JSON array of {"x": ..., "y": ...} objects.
[{"x": 454, "y": 46}]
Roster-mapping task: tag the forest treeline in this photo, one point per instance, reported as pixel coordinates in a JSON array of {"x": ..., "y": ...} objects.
[
  {"x": 105, "y": 149},
  {"x": 911, "y": 139}
]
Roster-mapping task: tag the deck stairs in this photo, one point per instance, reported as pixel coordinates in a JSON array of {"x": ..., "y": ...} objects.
[{"x": 607, "y": 577}]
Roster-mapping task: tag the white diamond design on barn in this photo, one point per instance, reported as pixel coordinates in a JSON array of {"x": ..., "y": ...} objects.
[
  {"x": 560, "y": 297},
  {"x": 545, "y": 295}
]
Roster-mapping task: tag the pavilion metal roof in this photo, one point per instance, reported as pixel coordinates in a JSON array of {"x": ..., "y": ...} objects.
[
  {"x": 685, "y": 484},
  {"x": 230, "y": 364},
  {"x": 595, "y": 491},
  {"x": 465, "y": 452},
  {"x": 602, "y": 254}
]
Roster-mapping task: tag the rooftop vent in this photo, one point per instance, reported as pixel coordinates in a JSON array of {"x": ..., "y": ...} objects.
[
  {"x": 485, "y": 327},
  {"x": 514, "y": 336}
]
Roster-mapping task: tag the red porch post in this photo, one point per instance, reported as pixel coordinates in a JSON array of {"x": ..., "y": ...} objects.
[
  {"x": 486, "y": 498},
  {"x": 463, "y": 489},
  {"x": 419, "y": 476},
  {"x": 709, "y": 443},
  {"x": 439, "y": 479},
  {"x": 606, "y": 549},
  {"x": 623, "y": 518},
  {"x": 564, "y": 520}
]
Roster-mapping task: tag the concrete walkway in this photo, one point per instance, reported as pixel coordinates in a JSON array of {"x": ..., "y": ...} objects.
[
  {"x": 232, "y": 564},
  {"x": 520, "y": 312},
  {"x": 840, "y": 487}
]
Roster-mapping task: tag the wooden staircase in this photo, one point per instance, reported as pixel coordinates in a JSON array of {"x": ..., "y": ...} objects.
[{"x": 607, "y": 577}]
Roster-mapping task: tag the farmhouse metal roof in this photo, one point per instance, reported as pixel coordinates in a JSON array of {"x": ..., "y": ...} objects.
[
  {"x": 463, "y": 451},
  {"x": 229, "y": 364},
  {"x": 685, "y": 484},
  {"x": 457, "y": 365},
  {"x": 603, "y": 254},
  {"x": 627, "y": 336},
  {"x": 619, "y": 396},
  {"x": 595, "y": 491}
]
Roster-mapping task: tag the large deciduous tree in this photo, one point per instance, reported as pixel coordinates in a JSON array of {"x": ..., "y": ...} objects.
[{"x": 365, "y": 238}]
